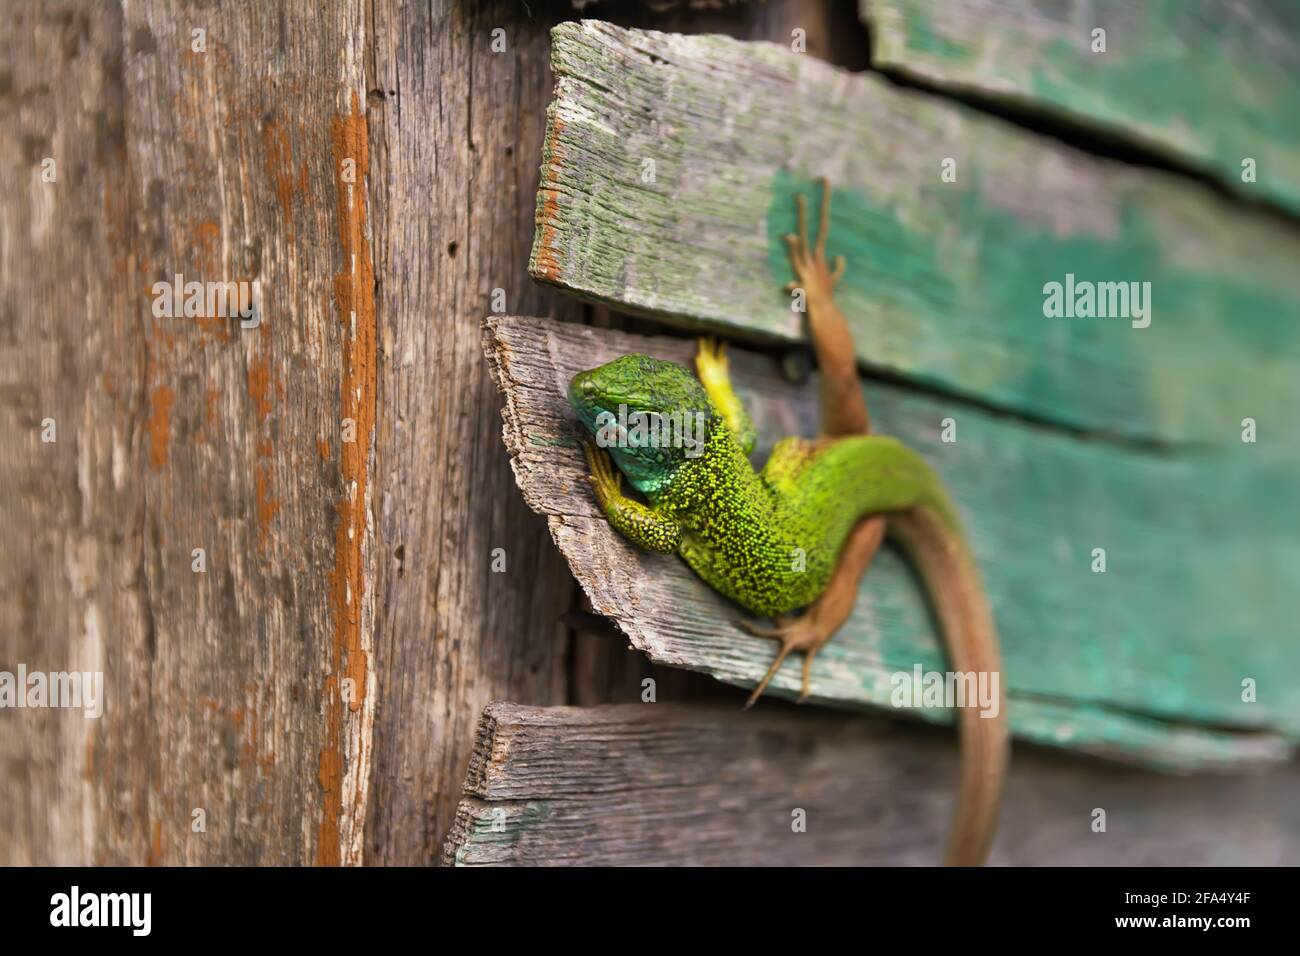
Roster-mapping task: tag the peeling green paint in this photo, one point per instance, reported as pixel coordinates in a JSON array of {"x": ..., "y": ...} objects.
[
  {"x": 989, "y": 269},
  {"x": 489, "y": 831},
  {"x": 1206, "y": 81}
]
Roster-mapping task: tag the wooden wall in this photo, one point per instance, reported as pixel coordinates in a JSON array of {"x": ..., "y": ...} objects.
[
  {"x": 310, "y": 692},
  {"x": 314, "y": 692}
]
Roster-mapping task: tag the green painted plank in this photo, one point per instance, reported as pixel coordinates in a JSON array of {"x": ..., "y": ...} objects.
[
  {"x": 668, "y": 177},
  {"x": 1211, "y": 82},
  {"x": 1144, "y": 662}
]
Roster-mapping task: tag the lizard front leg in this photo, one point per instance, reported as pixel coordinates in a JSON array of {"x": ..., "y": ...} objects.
[
  {"x": 715, "y": 375},
  {"x": 639, "y": 523},
  {"x": 843, "y": 412}
]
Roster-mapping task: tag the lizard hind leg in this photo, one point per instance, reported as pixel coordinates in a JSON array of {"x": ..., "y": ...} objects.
[
  {"x": 793, "y": 637},
  {"x": 809, "y": 632},
  {"x": 843, "y": 412},
  {"x": 843, "y": 409}
]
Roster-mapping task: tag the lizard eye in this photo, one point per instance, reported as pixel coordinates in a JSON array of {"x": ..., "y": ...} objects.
[{"x": 643, "y": 430}]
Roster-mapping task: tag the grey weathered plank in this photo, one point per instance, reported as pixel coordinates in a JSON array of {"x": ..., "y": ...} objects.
[
  {"x": 70, "y": 572},
  {"x": 667, "y": 784},
  {"x": 237, "y": 157},
  {"x": 1108, "y": 663},
  {"x": 669, "y": 173},
  {"x": 451, "y": 118},
  {"x": 1209, "y": 81},
  {"x": 223, "y": 688}
]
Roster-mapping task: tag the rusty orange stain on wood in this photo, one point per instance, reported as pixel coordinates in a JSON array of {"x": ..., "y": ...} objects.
[
  {"x": 277, "y": 155},
  {"x": 159, "y": 425},
  {"x": 154, "y": 854},
  {"x": 546, "y": 261},
  {"x": 260, "y": 387},
  {"x": 210, "y": 397},
  {"x": 354, "y": 302},
  {"x": 268, "y": 506},
  {"x": 206, "y": 235},
  {"x": 212, "y": 327},
  {"x": 323, "y": 449},
  {"x": 259, "y": 384}
]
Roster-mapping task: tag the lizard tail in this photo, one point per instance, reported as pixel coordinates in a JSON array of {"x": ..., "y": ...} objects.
[{"x": 953, "y": 583}]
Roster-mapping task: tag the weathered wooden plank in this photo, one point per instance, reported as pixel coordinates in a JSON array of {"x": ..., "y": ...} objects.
[
  {"x": 229, "y": 734},
  {"x": 669, "y": 173},
  {"x": 70, "y": 572},
  {"x": 667, "y": 784},
  {"x": 1210, "y": 81},
  {"x": 470, "y": 590},
  {"x": 1144, "y": 662},
  {"x": 249, "y": 159},
  {"x": 240, "y": 151}
]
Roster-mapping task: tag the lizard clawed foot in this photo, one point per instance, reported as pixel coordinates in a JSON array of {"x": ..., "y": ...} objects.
[
  {"x": 806, "y": 633},
  {"x": 605, "y": 478},
  {"x": 813, "y": 273}
]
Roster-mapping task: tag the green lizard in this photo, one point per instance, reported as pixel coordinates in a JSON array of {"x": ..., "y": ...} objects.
[{"x": 800, "y": 533}]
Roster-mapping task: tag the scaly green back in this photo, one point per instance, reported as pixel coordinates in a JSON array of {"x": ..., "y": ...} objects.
[{"x": 766, "y": 540}]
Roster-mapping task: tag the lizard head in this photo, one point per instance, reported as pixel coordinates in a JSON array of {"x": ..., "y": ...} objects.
[{"x": 650, "y": 415}]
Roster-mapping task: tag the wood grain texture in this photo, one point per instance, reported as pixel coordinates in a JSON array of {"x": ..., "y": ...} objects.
[
  {"x": 665, "y": 784},
  {"x": 669, "y": 172},
  {"x": 1209, "y": 81},
  {"x": 219, "y": 158},
  {"x": 71, "y": 574},
  {"x": 339, "y": 573},
  {"x": 457, "y": 131},
  {"x": 1106, "y": 663},
  {"x": 450, "y": 118},
  {"x": 314, "y": 691}
]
